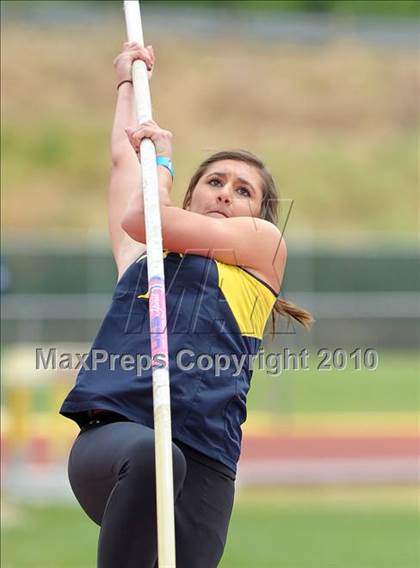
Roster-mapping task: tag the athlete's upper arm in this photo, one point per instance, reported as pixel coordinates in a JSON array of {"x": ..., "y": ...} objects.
[{"x": 125, "y": 178}]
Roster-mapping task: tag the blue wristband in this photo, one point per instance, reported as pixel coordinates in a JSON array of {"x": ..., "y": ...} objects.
[{"x": 167, "y": 163}]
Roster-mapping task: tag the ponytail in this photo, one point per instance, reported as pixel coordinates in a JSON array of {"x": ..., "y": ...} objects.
[{"x": 283, "y": 308}]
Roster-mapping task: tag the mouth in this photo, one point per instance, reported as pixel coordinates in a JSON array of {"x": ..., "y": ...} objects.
[{"x": 219, "y": 213}]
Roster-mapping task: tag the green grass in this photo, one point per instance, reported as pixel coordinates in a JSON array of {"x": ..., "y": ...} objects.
[
  {"x": 288, "y": 528},
  {"x": 50, "y": 537},
  {"x": 392, "y": 387},
  {"x": 321, "y": 539}
]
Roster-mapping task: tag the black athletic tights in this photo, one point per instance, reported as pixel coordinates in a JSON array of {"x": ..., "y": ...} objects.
[{"x": 112, "y": 474}]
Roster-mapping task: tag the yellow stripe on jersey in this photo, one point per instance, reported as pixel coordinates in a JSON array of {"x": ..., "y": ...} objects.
[
  {"x": 251, "y": 301},
  {"x": 145, "y": 295}
]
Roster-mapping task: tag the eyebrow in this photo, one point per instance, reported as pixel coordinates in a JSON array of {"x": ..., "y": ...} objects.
[{"x": 241, "y": 180}]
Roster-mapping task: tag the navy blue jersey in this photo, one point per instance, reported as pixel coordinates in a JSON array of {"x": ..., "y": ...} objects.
[{"x": 216, "y": 317}]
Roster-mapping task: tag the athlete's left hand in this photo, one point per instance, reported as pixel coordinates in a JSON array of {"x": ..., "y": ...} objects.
[{"x": 162, "y": 139}]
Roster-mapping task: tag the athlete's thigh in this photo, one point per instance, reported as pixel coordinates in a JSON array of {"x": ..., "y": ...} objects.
[
  {"x": 99, "y": 457},
  {"x": 202, "y": 515}
]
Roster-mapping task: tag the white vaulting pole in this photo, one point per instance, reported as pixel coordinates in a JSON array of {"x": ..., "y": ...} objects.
[{"x": 157, "y": 305}]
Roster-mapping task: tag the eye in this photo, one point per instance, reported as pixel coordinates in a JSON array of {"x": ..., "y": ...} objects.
[
  {"x": 245, "y": 190},
  {"x": 217, "y": 180}
]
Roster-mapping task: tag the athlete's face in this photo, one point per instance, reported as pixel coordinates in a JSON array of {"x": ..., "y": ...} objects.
[{"x": 228, "y": 188}]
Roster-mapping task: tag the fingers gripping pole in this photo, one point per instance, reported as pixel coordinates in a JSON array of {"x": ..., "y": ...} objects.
[{"x": 157, "y": 305}]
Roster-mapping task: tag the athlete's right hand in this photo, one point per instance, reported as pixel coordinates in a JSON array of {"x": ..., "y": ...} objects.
[
  {"x": 162, "y": 139},
  {"x": 132, "y": 51}
]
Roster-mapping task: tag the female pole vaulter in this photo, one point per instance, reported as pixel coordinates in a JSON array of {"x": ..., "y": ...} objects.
[{"x": 224, "y": 261}]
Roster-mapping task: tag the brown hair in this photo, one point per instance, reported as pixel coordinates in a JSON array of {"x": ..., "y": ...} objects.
[{"x": 269, "y": 212}]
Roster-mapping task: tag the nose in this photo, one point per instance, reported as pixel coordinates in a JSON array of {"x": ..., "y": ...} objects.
[{"x": 224, "y": 196}]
